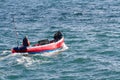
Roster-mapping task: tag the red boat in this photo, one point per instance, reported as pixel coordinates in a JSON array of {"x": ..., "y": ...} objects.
[{"x": 40, "y": 48}]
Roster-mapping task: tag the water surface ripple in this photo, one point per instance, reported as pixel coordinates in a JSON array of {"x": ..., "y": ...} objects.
[{"x": 91, "y": 29}]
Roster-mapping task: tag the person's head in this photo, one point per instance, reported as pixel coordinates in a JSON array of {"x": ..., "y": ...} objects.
[{"x": 26, "y": 36}]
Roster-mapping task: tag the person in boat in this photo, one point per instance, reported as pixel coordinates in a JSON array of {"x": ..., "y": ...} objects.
[
  {"x": 57, "y": 36},
  {"x": 26, "y": 42}
]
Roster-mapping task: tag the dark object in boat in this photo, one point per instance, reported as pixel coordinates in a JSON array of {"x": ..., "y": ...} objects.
[
  {"x": 43, "y": 42},
  {"x": 57, "y": 36}
]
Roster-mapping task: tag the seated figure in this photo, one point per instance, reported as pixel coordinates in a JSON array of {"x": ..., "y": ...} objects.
[
  {"x": 26, "y": 42},
  {"x": 57, "y": 36}
]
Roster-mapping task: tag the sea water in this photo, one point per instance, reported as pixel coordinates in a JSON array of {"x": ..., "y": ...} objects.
[{"x": 91, "y": 29}]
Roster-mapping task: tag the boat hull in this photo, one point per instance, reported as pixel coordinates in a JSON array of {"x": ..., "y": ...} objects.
[{"x": 39, "y": 49}]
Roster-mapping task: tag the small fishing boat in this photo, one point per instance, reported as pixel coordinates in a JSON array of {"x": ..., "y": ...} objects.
[{"x": 41, "y": 46}]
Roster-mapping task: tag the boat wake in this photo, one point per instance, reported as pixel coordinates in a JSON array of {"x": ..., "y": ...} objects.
[
  {"x": 34, "y": 59},
  {"x": 4, "y": 54}
]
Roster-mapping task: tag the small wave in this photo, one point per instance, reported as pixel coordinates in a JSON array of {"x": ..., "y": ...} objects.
[
  {"x": 81, "y": 60},
  {"x": 6, "y": 51},
  {"x": 26, "y": 61},
  {"x": 4, "y": 54}
]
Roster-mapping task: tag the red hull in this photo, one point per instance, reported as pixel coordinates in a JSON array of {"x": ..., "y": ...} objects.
[{"x": 42, "y": 48}]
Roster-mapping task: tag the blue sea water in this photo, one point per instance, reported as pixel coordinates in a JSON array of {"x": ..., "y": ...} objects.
[{"x": 91, "y": 29}]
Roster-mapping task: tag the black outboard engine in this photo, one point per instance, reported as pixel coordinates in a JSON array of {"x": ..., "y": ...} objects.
[{"x": 57, "y": 36}]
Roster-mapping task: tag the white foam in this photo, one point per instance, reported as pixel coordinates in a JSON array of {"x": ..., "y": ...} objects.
[{"x": 6, "y": 51}]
